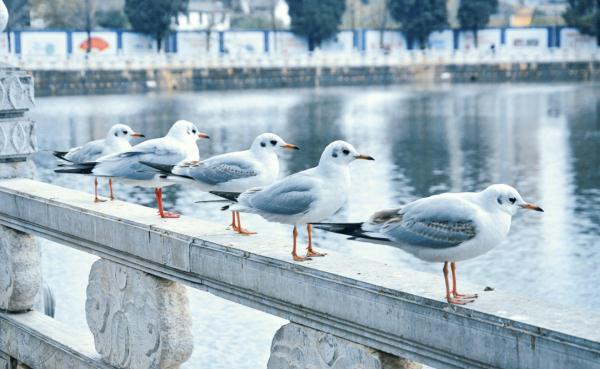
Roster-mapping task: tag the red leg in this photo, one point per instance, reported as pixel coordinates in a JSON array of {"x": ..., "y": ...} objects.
[
  {"x": 233, "y": 224},
  {"x": 239, "y": 229},
  {"x": 294, "y": 254},
  {"x": 454, "y": 291},
  {"x": 312, "y": 252},
  {"x": 449, "y": 297},
  {"x": 161, "y": 211},
  {"x": 96, "y": 198},
  {"x": 112, "y": 195}
]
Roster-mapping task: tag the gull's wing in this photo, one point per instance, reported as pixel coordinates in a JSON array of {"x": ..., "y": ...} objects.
[
  {"x": 290, "y": 196},
  {"x": 436, "y": 222},
  {"x": 127, "y": 164},
  {"x": 85, "y": 153},
  {"x": 220, "y": 169}
]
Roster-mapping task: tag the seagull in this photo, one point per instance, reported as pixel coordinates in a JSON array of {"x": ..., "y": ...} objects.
[
  {"x": 304, "y": 197},
  {"x": 179, "y": 145},
  {"x": 232, "y": 172},
  {"x": 117, "y": 140},
  {"x": 446, "y": 228}
]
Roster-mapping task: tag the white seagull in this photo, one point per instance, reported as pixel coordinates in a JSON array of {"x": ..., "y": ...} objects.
[
  {"x": 117, "y": 140},
  {"x": 305, "y": 197},
  {"x": 179, "y": 145},
  {"x": 446, "y": 228},
  {"x": 232, "y": 172}
]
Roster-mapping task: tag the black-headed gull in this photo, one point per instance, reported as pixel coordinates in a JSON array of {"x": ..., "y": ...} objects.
[
  {"x": 446, "y": 228},
  {"x": 117, "y": 140},
  {"x": 179, "y": 145},
  {"x": 232, "y": 172},
  {"x": 304, "y": 197}
]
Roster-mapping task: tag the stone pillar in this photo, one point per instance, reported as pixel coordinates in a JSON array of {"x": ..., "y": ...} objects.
[
  {"x": 139, "y": 321},
  {"x": 20, "y": 270},
  {"x": 296, "y": 346}
]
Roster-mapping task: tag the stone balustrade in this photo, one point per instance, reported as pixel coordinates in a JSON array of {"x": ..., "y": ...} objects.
[{"x": 342, "y": 309}]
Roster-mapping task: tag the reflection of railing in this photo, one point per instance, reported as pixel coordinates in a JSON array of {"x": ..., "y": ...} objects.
[
  {"x": 404, "y": 58},
  {"x": 138, "y": 314}
]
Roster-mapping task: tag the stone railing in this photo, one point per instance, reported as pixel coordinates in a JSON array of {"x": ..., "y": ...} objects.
[{"x": 343, "y": 310}]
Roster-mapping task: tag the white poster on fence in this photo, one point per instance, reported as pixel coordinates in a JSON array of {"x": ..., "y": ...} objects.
[
  {"x": 571, "y": 38},
  {"x": 526, "y": 37},
  {"x": 104, "y": 43},
  {"x": 285, "y": 42},
  {"x": 44, "y": 43},
  {"x": 244, "y": 42},
  {"x": 440, "y": 40},
  {"x": 197, "y": 43},
  {"x": 392, "y": 41},
  {"x": 137, "y": 43},
  {"x": 343, "y": 42},
  {"x": 485, "y": 39}
]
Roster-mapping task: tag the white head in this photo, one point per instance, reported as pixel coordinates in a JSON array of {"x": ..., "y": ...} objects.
[
  {"x": 341, "y": 153},
  {"x": 506, "y": 198},
  {"x": 270, "y": 143},
  {"x": 185, "y": 131},
  {"x": 122, "y": 132}
]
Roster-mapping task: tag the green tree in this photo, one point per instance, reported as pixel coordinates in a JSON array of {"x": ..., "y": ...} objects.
[
  {"x": 62, "y": 13},
  {"x": 585, "y": 16},
  {"x": 418, "y": 18},
  {"x": 154, "y": 17},
  {"x": 18, "y": 16},
  {"x": 112, "y": 18},
  {"x": 474, "y": 15},
  {"x": 317, "y": 20}
]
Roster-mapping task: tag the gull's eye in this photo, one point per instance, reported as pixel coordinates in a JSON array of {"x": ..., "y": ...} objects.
[
  {"x": 512, "y": 200},
  {"x": 346, "y": 151},
  {"x": 273, "y": 142},
  {"x": 263, "y": 144},
  {"x": 194, "y": 131},
  {"x": 124, "y": 132}
]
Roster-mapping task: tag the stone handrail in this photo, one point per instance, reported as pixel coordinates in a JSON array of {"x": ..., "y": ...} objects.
[{"x": 342, "y": 302}]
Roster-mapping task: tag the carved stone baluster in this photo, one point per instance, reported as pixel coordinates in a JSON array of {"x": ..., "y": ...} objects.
[
  {"x": 296, "y": 346},
  {"x": 139, "y": 321}
]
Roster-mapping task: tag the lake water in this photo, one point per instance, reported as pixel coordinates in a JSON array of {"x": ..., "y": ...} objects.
[{"x": 543, "y": 139}]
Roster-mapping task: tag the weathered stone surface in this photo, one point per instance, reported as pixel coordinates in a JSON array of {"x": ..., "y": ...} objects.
[
  {"x": 299, "y": 347},
  {"x": 21, "y": 169},
  {"x": 16, "y": 89},
  {"x": 20, "y": 270},
  {"x": 138, "y": 321},
  {"x": 17, "y": 138}
]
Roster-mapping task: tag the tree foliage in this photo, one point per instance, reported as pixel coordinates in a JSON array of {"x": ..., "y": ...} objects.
[
  {"x": 317, "y": 20},
  {"x": 585, "y": 16},
  {"x": 474, "y": 15},
  {"x": 112, "y": 18},
  {"x": 154, "y": 17},
  {"x": 418, "y": 18},
  {"x": 62, "y": 13}
]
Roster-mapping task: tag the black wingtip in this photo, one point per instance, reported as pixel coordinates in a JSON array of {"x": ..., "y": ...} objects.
[
  {"x": 160, "y": 167},
  {"x": 60, "y": 154},
  {"x": 83, "y": 168},
  {"x": 231, "y": 196}
]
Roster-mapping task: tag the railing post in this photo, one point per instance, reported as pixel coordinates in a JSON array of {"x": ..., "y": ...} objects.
[
  {"x": 296, "y": 346},
  {"x": 20, "y": 269},
  {"x": 138, "y": 321}
]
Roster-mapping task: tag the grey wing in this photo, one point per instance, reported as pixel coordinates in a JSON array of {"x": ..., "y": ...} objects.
[
  {"x": 215, "y": 172},
  {"x": 429, "y": 230},
  {"x": 290, "y": 196},
  {"x": 127, "y": 164},
  {"x": 86, "y": 153}
]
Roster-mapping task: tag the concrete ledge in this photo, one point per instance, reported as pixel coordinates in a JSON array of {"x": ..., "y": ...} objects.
[
  {"x": 398, "y": 311},
  {"x": 41, "y": 342}
]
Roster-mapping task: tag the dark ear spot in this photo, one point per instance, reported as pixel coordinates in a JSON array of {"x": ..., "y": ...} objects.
[
  {"x": 499, "y": 199},
  {"x": 263, "y": 144},
  {"x": 335, "y": 154},
  {"x": 116, "y": 134}
]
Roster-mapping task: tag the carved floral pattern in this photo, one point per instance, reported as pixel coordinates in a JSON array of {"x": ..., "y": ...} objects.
[
  {"x": 17, "y": 137},
  {"x": 298, "y": 347},
  {"x": 138, "y": 321}
]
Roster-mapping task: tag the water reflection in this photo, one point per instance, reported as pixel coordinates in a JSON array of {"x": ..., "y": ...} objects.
[{"x": 543, "y": 139}]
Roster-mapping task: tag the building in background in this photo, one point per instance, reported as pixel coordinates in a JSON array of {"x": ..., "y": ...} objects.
[{"x": 205, "y": 15}]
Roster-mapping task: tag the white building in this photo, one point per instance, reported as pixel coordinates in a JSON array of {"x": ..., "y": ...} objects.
[{"x": 204, "y": 15}]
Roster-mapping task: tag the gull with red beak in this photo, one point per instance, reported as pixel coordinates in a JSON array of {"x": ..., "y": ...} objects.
[
  {"x": 117, "y": 140},
  {"x": 232, "y": 172},
  {"x": 305, "y": 197},
  {"x": 443, "y": 228},
  {"x": 179, "y": 145}
]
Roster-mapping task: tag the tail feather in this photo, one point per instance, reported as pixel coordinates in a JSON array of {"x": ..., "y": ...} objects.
[
  {"x": 164, "y": 170},
  {"x": 84, "y": 168},
  {"x": 354, "y": 230},
  {"x": 61, "y": 155}
]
